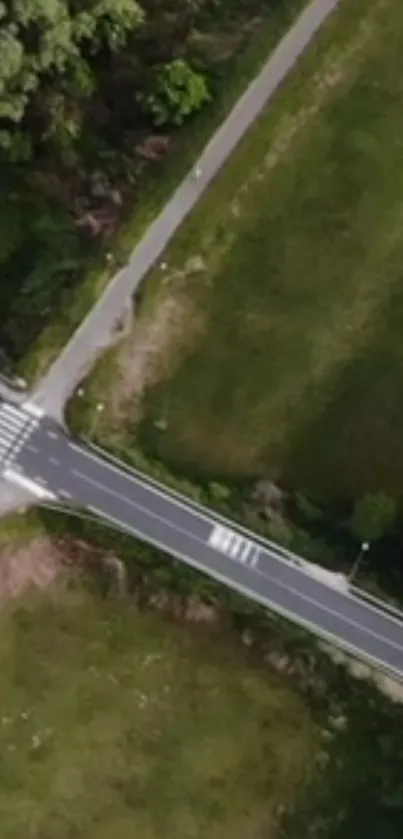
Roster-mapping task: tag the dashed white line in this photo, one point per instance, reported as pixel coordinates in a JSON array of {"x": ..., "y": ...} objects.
[
  {"x": 254, "y": 558},
  {"x": 7, "y": 434},
  {"x": 22, "y": 481},
  {"x": 263, "y": 599},
  {"x": 246, "y": 551},
  {"x": 33, "y": 409},
  {"x": 322, "y": 607}
]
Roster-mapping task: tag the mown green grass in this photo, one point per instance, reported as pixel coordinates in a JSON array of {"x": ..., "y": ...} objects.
[
  {"x": 297, "y": 370},
  {"x": 120, "y": 724},
  {"x": 236, "y": 72}
]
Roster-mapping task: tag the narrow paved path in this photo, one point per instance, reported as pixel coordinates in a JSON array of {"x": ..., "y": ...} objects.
[{"x": 95, "y": 331}]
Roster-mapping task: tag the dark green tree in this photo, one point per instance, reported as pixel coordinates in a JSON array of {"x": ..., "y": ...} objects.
[
  {"x": 177, "y": 92},
  {"x": 373, "y": 516}
]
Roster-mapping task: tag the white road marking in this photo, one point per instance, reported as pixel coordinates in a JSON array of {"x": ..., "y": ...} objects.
[
  {"x": 33, "y": 409},
  {"x": 9, "y": 432},
  {"x": 266, "y": 600},
  {"x": 16, "y": 426},
  {"x": 266, "y": 576},
  {"x": 165, "y": 492},
  {"x": 254, "y": 558},
  {"x": 26, "y": 483},
  {"x": 130, "y": 503},
  {"x": 7, "y": 408},
  {"x": 230, "y": 543},
  {"x": 174, "y": 497},
  {"x": 52, "y": 434},
  {"x": 246, "y": 551},
  {"x": 235, "y": 546},
  {"x": 55, "y": 461},
  {"x": 31, "y": 448},
  {"x": 224, "y": 540},
  {"x": 105, "y": 458},
  {"x": 30, "y": 429},
  {"x": 125, "y": 470},
  {"x": 11, "y": 423},
  {"x": 215, "y": 537}
]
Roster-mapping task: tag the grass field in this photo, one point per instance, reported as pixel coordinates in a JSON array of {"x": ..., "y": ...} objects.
[
  {"x": 120, "y": 724},
  {"x": 289, "y": 357}
]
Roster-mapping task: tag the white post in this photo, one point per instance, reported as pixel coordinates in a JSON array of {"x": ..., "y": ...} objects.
[
  {"x": 99, "y": 407},
  {"x": 356, "y": 564}
]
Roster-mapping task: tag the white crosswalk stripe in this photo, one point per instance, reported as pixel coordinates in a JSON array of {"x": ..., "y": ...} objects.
[
  {"x": 16, "y": 426},
  {"x": 232, "y": 544}
]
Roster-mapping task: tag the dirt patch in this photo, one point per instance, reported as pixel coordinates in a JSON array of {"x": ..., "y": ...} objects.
[
  {"x": 156, "y": 343},
  {"x": 35, "y": 564}
]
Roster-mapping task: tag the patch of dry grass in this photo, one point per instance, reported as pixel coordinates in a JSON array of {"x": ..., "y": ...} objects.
[{"x": 115, "y": 723}]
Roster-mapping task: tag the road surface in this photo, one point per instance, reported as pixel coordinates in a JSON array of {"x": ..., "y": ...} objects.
[
  {"x": 95, "y": 332},
  {"x": 38, "y": 455}
]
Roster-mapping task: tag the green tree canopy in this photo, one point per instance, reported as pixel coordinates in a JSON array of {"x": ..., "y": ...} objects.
[
  {"x": 373, "y": 516},
  {"x": 46, "y": 40},
  {"x": 177, "y": 92}
]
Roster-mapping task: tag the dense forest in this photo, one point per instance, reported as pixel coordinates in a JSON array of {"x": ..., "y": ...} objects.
[{"x": 92, "y": 93}]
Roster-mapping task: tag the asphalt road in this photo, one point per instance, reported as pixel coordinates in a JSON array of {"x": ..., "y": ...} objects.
[
  {"x": 195, "y": 535},
  {"x": 95, "y": 331}
]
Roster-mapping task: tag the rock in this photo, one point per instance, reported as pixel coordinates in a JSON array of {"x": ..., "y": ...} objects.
[
  {"x": 119, "y": 572},
  {"x": 247, "y": 638},
  {"x": 116, "y": 197},
  {"x": 153, "y": 147},
  {"x": 199, "y": 612},
  {"x": 99, "y": 184},
  {"x": 159, "y": 600},
  {"x": 269, "y": 495},
  {"x": 278, "y": 660},
  {"x": 36, "y": 741},
  {"x": 195, "y": 264},
  {"x": 338, "y": 723}
]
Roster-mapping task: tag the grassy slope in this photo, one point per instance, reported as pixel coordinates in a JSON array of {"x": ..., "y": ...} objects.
[
  {"x": 143, "y": 729},
  {"x": 297, "y": 369}
]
